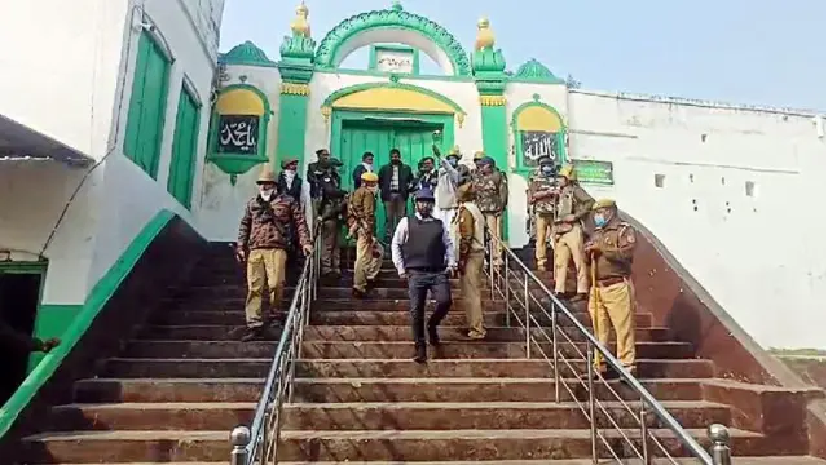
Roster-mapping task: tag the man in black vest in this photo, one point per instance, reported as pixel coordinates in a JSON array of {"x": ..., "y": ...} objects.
[{"x": 423, "y": 254}]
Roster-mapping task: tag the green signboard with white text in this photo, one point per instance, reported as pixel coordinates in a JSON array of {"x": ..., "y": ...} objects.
[{"x": 594, "y": 172}]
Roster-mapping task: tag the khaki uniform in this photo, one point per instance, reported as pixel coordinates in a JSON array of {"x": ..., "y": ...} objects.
[
  {"x": 265, "y": 234},
  {"x": 612, "y": 295},
  {"x": 568, "y": 239},
  {"x": 492, "y": 199},
  {"x": 369, "y": 253},
  {"x": 544, "y": 210},
  {"x": 470, "y": 230}
]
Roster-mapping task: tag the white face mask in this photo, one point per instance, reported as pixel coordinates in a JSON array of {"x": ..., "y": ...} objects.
[
  {"x": 289, "y": 173},
  {"x": 369, "y": 166},
  {"x": 266, "y": 194}
]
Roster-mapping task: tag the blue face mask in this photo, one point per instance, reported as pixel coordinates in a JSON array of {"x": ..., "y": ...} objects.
[
  {"x": 599, "y": 220},
  {"x": 547, "y": 170},
  {"x": 452, "y": 161}
]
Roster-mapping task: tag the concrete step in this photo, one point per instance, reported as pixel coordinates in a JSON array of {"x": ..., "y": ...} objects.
[
  {"x": 451, "y": 333},
  {"x": 442, "y": 389},
  {"x": 318, "y": 316},
  {"x": 489, "y": 415},
  {"x": 374, "y": 416},
  {"x": 381, "y": 349},
  {"x": 371, "y": 303},
  {"x": 479, "y": 368},
  {"x": 679, "y": 461},
  {"x": 388, "y": 445},
  {"x": 151, "y": 416},
  {"x": 471, "y": 368},
  {"x": 412, "y": 445},
  {"x": 371, "y": 333}
]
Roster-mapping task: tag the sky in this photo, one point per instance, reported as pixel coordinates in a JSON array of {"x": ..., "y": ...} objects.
[{"x": 756, "y": 52}]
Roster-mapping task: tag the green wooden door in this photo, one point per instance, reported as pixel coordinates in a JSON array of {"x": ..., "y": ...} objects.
[
  {"x": 414, "y": 144},
  {"x": 184, "y": 149}
]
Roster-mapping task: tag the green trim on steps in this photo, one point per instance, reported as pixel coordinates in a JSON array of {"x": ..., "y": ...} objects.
[{"x": 100, "y": 294}]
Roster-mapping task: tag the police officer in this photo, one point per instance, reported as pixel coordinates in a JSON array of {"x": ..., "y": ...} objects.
[
  {"x": 332, "y": 208},
  {"x": 543, "y": 192},
  {"x": 611, "y": 253},
  {"x": 491, "y": 188},
  {"x": 423, "y": 254},
  {"x": 470, "y": 230},
  {"x": 315, "y": 172},
  {"x": 572, "y": 205},
  {"x": 362, "y": 218}
]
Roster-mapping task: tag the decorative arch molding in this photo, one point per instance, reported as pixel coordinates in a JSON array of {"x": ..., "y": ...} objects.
[
  {"x": 537, "y": 119},
  {"x": 392, "y": 96},
  {"x": 393, "y": 26},
  {"x": 243, "y": 102},
  {"x": 537, "y": 116}
]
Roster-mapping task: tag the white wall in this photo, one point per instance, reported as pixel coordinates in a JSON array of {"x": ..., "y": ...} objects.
[
  {"x": 77, "y": 90},
  {"x": 59, "y": 76},
  {"x": 761, "y": 260},
  {"x": 131, "y": 198},
  {"x": 222, "y": 204},
  {"x": 32, "y": 197}
]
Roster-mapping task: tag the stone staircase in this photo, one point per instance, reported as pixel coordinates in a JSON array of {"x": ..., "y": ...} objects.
[{"x": 183, "y": 383}]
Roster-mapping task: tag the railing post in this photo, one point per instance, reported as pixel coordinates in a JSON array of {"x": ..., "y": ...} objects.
[
  {"x": 527, "y": 317},
  {"x": 589, "y": 359},
  {"x": 720, "y": 450},
  {"x": 646, "y": 454},
  {"x": 491, "y": 246},
  {"x": 506, "y": 292},
  {"x": 555, "y": 349},
  {"x": 240, "y": 438}
]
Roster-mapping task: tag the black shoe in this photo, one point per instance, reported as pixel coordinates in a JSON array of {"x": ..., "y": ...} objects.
[
  {"x": 433, "y": 334},
  {"x": 421, "y": 354},
  {"x": 371, "y": 284},
  {"x": 359, "y": 294},
  {"x": 252, "y": 334}
]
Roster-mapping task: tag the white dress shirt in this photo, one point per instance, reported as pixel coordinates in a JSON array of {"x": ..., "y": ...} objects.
[{"x": 401, "y": 236}]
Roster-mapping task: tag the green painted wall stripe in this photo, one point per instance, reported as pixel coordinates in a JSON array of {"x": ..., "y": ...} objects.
[
  {"x": 97, "y": 298},
  {"x": 292, "y": 129}
]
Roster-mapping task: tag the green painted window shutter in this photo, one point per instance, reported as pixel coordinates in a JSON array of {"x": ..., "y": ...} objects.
[
  {"x": 147, "y": 106},
  {"x": 184, "y": 149}
]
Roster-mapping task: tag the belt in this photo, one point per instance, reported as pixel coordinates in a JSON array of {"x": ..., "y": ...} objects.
[
  {"x": 611, "y": 281},
  {"x": 428, "y": 269}
]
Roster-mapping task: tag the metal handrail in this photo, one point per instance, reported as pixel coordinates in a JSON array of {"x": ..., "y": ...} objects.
[
  {"x": 258, "y": 443},
  {"x": 531, "y": 324}
]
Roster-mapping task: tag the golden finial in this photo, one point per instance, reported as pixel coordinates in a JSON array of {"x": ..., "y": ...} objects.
[
  {"x": 300, "y": 25},
  {"x": 484, "y": 34}
]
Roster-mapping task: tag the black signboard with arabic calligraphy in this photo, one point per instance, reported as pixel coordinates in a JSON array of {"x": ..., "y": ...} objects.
[
  {"x": 536, "y": 144},
  {"x": 238, "y": 134}
]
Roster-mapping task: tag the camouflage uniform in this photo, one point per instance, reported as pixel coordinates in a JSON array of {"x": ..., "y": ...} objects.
[
  {"x": 492, "y": 199},
  {"x": 264, "y": 235},
  {"x": 543, "y": 191}
]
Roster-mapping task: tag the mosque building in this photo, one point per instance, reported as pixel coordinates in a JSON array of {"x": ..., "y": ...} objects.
[{"x": 170, "y": 125}]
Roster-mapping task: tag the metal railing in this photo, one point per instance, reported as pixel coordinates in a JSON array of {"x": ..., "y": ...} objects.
[
  {"x": 560, "y": 345},
  {"x": 258, "y": 444}
]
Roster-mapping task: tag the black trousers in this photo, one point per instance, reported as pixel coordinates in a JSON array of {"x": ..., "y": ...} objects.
[{"x": 419, "y": 283}]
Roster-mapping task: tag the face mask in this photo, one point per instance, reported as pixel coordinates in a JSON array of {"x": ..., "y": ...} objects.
[
  {"x": 289, "y": 172},
  {"x": 372, "y": 188},
  {"x": 425, "y": 209},
  {"x": 266, "y": 194},
  {"x": 452, "y": 161},
  {"x": 599, "y": 220},
  {"x": 547, "y": 171},
  {"x": 369, "y": 166}
]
